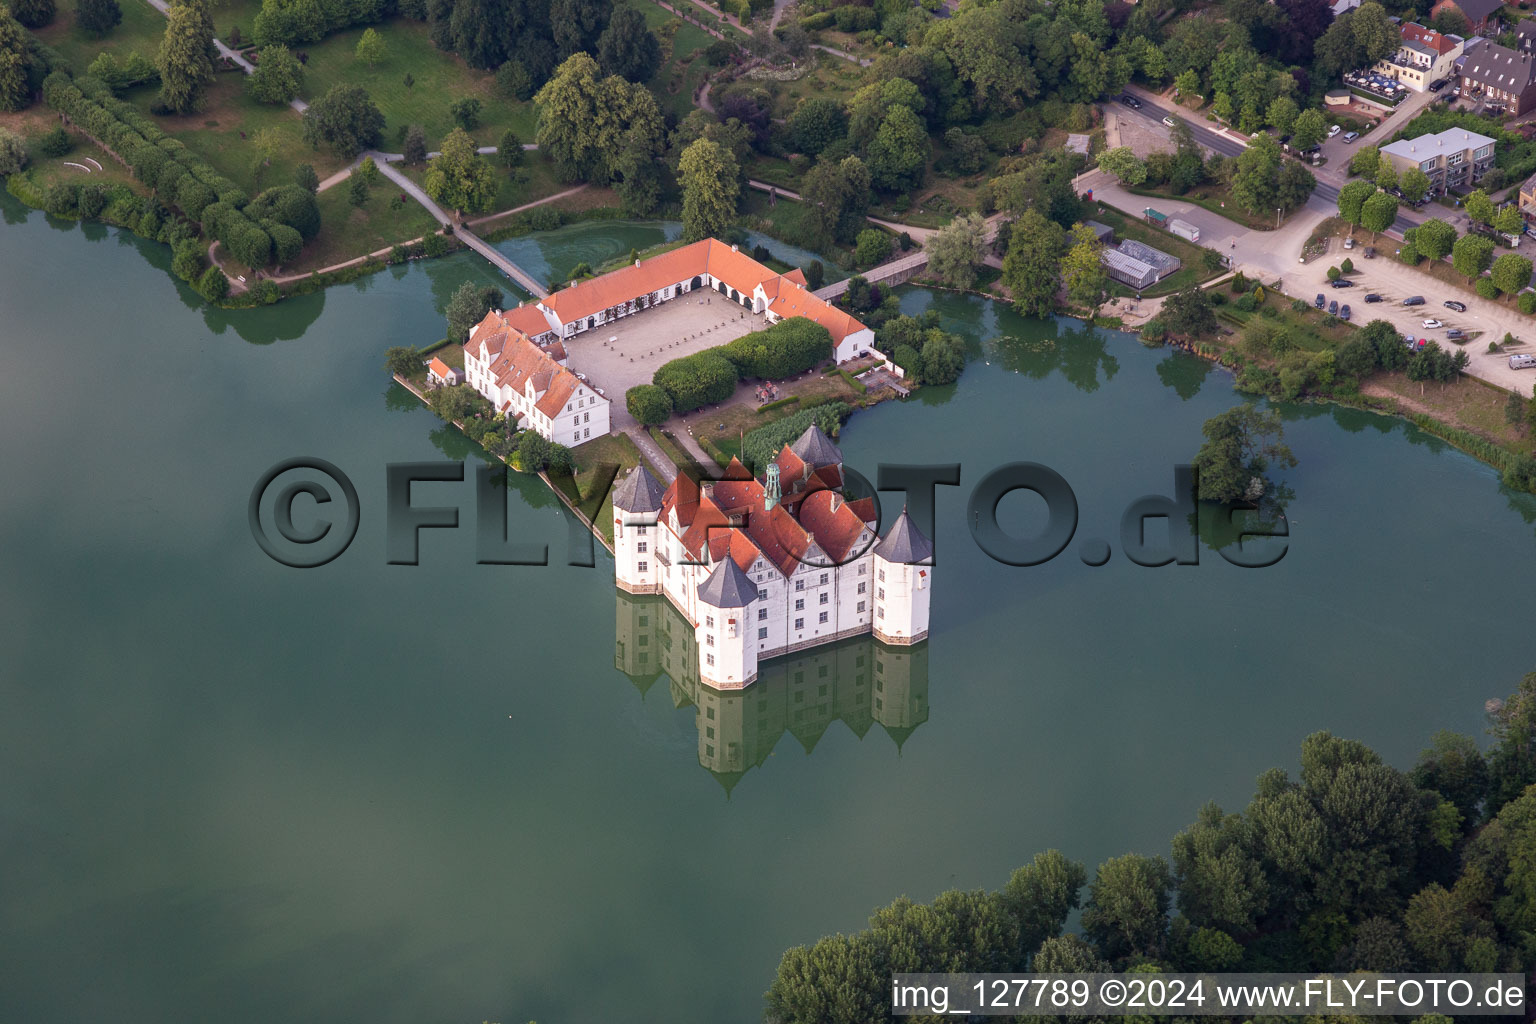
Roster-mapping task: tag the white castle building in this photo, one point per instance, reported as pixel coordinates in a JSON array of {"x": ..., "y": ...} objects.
[
  {"x": 767, "y": 567},
  {"x": 529, "y": 383}
]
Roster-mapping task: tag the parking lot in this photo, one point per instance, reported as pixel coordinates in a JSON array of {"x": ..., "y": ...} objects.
[{"x": 1483, "y": 321}]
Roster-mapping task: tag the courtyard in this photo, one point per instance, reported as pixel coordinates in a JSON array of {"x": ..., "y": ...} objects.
[{"x": 616, "y": 356}]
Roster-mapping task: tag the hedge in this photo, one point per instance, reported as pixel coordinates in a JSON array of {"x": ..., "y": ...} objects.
[
  {"x": 813, "y": 22},
  {"x": 788, "y": 347},
  {"x": 695, "y": 381},
  {"x": 648, "y": 404},
  {"x": 762, "y": 445}
]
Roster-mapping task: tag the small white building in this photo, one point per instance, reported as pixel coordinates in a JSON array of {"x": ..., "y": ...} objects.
[
  {"x": 528, "y": 385},
  {"x": 440, "y": 373},
  {"x": 765, "y": 567}
]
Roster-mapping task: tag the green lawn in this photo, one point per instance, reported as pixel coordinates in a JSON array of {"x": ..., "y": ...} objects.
[
  {"x": 535, "y": 179},
  {"x": 141, "y": 30},
  {"x": 682, "y": 65},
  {"x": 438, "y": 80},
  {"x": 609, "y": 449},
  {"x": 347, "y": 231},
  {"x": 241, "y": 14},
  {"x": 227, "y": 130}
]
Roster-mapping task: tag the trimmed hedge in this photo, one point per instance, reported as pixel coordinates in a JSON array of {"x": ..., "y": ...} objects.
[
  {"x": 648, "y": 404},
  {"x": 788, "y": 347},
  {"x": 695, "y": 381}
]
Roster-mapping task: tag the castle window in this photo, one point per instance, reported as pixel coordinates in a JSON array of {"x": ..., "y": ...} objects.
[
  {"x": 824, "y": 598},
  {"x": 799, "y": 604},
  {"x": 709, "y": 639},
  {"x": 762, "y": 632},
  {"x": 640, "y": 530},
  {"x": 799, "y": 584},
  {"x": 799, "y": 623},
  {"x": 640, "y": 547},
  {"x": 709, "y": 659},
  {"x": 882, "y": 575},
  {"x": 762, "y": 615},
  {"x": 861, "y": 607},
  {"x": 709, "y": 732},
  {"x": 879, "y": 611},
  {"x": 863, "y": 587},
  {"x": 709, "y": 713},
  {"x": 644, "y": 566},
  {"x": 863, "y": 568},
  {"x": 823, "y": 618},
  {"x": 709, "y": 620},
  {"x": 823, "y": 578},
  {"x": 762, "y": 594},
  {"x": 880, "y": 593}
]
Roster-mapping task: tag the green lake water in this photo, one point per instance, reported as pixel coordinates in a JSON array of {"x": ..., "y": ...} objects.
[{"x": 376, "y": 794}]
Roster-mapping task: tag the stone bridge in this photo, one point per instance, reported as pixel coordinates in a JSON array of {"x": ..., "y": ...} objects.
[{"x": 895, "y": 272}]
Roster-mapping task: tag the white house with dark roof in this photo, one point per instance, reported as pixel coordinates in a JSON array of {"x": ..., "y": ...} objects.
[{"x": 767, "y": 566}]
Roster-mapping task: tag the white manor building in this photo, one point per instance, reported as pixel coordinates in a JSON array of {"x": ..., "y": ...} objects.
[
  {"x": 767, "y": 567},
  {"x": 529, "y": 384},
  {"x": 597, "y": 302}
]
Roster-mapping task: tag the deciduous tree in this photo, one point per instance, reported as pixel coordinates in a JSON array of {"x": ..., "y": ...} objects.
[
  {"x": 1082, "y": 269},
  {"x": 1511, "y": 272},
  {"x": 1309, "y": 130},
  {"x": 957, "y": 249},
  {"x": 1031, "y": 269},
  {"x": 371, "y": 49},
  {"x": 460, "y": 178},
  {"x": 278, "y": 77},
  {"x": 627, "y": 48},
  {"x": 709, "y": 176},
  {"x": 1352, "y": 199},
  {"x": 1241, "y": 446},
  {"x": 1471, "y": 255},
  {"x": 98, "y": 17},
  {"x": 1378, "y": 212},
  {"x": 346, "y": 119},
  {"x": 1123, "y": 163},
  {"x": 185, "y": 59}
]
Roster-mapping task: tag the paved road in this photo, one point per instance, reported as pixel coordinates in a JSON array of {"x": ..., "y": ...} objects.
[{"x": 1154, "y": 110}]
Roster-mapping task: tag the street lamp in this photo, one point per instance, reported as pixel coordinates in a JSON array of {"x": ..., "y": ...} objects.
[{"x": 1277, "y": 218}]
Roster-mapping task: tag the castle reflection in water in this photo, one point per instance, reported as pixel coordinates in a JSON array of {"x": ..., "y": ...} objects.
[{"x": 859, "y": 682}]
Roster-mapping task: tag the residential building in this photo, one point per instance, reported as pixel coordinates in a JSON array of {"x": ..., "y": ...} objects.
[
  {"x": 767, "y": 566},
  {"x": 1453, "y": 159},
  {"x": 1497, "y": 75},
  {"x": 599, "y": 301},
  {"x": 439, "y": 372},
  {"x": 1424, "y": 56},
  {"x": 529, "y": 385},
  {"x": 1481, "y": 15},
  {"x": 1527, "y": 200}
]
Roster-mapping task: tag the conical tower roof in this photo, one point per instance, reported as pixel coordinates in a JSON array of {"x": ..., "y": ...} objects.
[
  {"x": 816, "y": 449},
  {"x": 640, "y": 492},
  {"x": 728, "y": 586},
  {"x": 905, "y": 543}
]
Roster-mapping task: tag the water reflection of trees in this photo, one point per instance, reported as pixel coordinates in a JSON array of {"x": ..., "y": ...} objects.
[
  {"x": 859, "y": 682},
  {"x": 1184, "y": 373},
  {"x": 1079, "y": 353}
]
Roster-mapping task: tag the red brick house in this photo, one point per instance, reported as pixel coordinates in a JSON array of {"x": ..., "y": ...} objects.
[{"x": 1477, "y": 12}]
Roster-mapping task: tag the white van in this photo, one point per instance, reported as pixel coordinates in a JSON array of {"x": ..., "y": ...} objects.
[{"x": 1521, "y": 362}]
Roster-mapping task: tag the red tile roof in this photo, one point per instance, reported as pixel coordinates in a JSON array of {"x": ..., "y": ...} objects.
[
  {"x": 440, "y": 368},
  {"x": 1428, "y": 37}
]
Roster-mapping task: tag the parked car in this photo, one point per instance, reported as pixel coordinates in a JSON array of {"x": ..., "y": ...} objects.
[
  {"x": 1438, "y": 84},
  {"x": 1455, "y": 334},
  {"x": 1460, "y": 307},
  {"x": 1131, "y": 101},
  {"x": 1431, "y": 324},
  {"x": 1168, "y": 120},
  {"x": 1343, "y": 282},
  {"x": 1320, "y": 302},
  {"x": 1334, "y": 130},
  {"x": 1349, "y": 241},
  {"x": 1372, "y": 297},
  {"x": 1333, "y": 308},
  {"x": 1344, "y": 312},
  {"x": 1522, "y": 362},
  {"x": 1351, "y": 137},
  {"x": 1414, "y": 300}
]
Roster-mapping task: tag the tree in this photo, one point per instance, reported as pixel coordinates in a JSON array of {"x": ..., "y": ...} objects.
[
  {"x": 1386, "y": 174},
  {"x": 1479, "y": 207},
  {"x": 577, "y": 24},
  {"x": 1041, "y": 896},
  {"x": 510, "y": 149},
  {"x": 1309, "y": 130},
  {"x": 402, "y": 361},
  {"x": 185, "y": 59},
  {"x": 1256, "y": 181},
  {"x": 648, "y": 404},
  {"x": 1282, "y": 114},
  {"x": 468, "y": 306},
  {"x": 15, "y": 93},
  {"x": 1511, "y": 272},
  {"x": 278, "y": 77},
  {"x": 1434, "y": 238},
  {"x": 414, "y": 148},
  {"x": 1221, "y": 882},
  {"x": 465, "y": 112},
  {"x": 357, "y": 190},
  {"x": 1031, "y": 269},
  {"x": 1082, "y": 270},
  {"x": 1127, "y": 909},
  {"x": 817, "y": 123},
  {"x": 98, "y": 17},
  {"x": 1365, "y": 161},
  {"x": 627, "y": 48},
  {"x": 1123, "y": 163},
  {"x": 371, "y": 49},
  {"x": 837, "y": 194},
  {"x": 899, "y": 152},
  {"x": 346, "y": 119},
  {"x": 1352, "y": 198},
  {"x": 957, "y": 249},
  {"x": 1509, "y": 220},
  {"x": 1413, "y": 184},
  {"x": 1189, "y": 312},
  {"x": 697, "y": 380},
  {"x": 459, "y": 177},
  {"x": 1378, "y": 212},
  {"x": 1294, "y": 185},
  {"x": 1186, "y": 85},
  {"x": 1512, "y": 755},
  {"x": 33, "y": 13},
  {"x": 13, "y": 152},
  {"x": 710, "y": 181},
  {"x": 1471, "y": 255},
  {"x": 1241, "y": 445},
  {"x": 583, "y": 119},
  {"x": 815, "y": 274},
  {"x": 873, "y": 246},
  {"x": 305, "y": 177},
  {"x": 1454, "y": 767}
]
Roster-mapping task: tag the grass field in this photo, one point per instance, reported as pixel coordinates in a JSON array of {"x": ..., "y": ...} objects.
[
  {"x": 682, "y": 65},
  {"x": 1218, "y": 200},
  {"x": 141, "y": 30},
  {"x": 1467, "y": 403},
  {"x": 347, "y": 231},
  {"x": 609, "y": 449},
  {"x": 229, "y": 128},
  {"x": 229, "y": 14},
  {"x": 438, "y": 80},
  {"x": 786, "y": 221},
  {"x": 724, "y": 428}
]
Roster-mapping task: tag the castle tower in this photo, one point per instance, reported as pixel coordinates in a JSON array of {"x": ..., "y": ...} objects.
[
  {"x": 728, "y": 659},
  {"x": 636, "y": 538},
  {"x": 903, "y": 583}
]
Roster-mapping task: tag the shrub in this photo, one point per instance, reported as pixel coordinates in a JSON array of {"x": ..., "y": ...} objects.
[
  {"x": 1527, "y": 302},
  {"x": 193, "y": 197},
  {"x": 1334, "y": 273},
  {"x": 697, "y": 380},
  {"x": 91, "y": 200},
  {"x": 1486, "y": 288},
  {"x": 543, "y": 218},
  {"x": 1246, "y": 303},
  {"x": 873, "y": 246},
  {"x": 648, "y": 404},
  {"x": 188, "y": 261},
  {"x": 466, "y": 113},
  {"x": 513, "y": 81},
  {"x": 56, "y": 143},
  {"x": 1348, "y": 265},
  {"x": 292, "y": 205},
  {"x": 266, "y": 292},
  {"x": 213, "y": 285},
  {"x": 434, "y": 245},
  {"x": 61, "y": 199}
]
